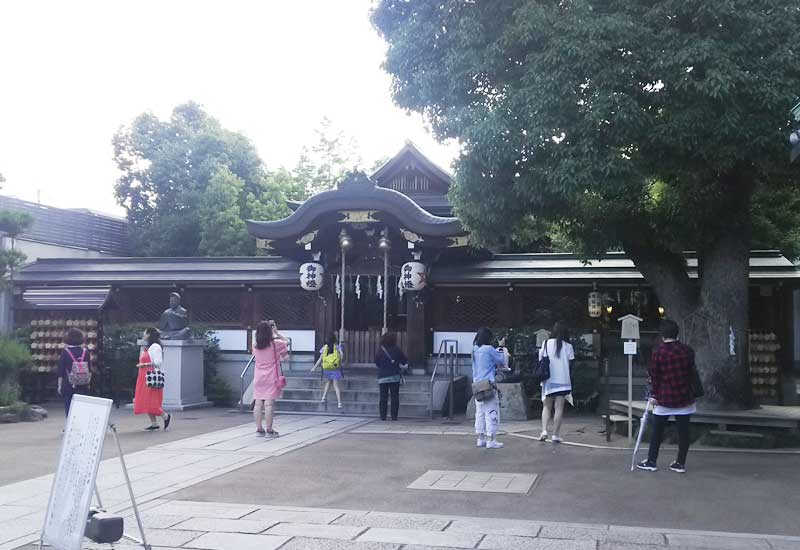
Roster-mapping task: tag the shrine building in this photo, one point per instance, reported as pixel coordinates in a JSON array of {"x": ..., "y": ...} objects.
[{"x": 384, "y": 252}]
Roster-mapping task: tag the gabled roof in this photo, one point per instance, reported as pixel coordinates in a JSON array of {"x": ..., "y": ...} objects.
[
  {"x": 398, "y": 161},
  {"x": 357, "y": 192}
]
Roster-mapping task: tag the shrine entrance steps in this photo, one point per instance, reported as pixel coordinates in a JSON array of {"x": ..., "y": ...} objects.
[{"x": 360, "y": 394}]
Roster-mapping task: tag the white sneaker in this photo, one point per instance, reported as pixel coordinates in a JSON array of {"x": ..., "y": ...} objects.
[
  {"x": 543, "y": 436},
  {"x": 556, "y": 439},
  {"x": 481, "y": 443},
  {"x": 339, "y": 406},
  {"x": 493, "y": 444}
]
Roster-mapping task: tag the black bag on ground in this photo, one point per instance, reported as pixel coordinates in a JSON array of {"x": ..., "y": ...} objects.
[
  {"x": 541, "y": 371},
  {"x": 103, "y": 527}
]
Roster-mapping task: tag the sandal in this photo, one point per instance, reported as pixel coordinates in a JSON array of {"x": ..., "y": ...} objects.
[
  {"x": 272, "y": 433},
  {"x": 261, "y": 433}
]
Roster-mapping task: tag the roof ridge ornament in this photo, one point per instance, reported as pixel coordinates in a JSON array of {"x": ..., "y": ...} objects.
[{"x": 357, "y": 179}]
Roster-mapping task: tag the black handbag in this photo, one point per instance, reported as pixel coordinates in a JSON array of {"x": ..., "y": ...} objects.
[{"x": 541, "y": 371}]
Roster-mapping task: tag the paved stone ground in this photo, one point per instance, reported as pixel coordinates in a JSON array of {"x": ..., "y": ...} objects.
[
  {"x": 172, "y": 524},
  {"x": 735, "y": 492},
  {"x": 226, "y": 489},
  {"x": 32, "y": 447},
  {"x": 163, "y": 469}
]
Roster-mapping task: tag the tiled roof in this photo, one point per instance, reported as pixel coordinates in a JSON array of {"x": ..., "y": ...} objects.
[{"x": 73, "y": 228}]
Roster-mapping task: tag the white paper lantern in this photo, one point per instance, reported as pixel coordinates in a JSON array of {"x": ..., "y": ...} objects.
[
  {"x": 595, "y": 304},
  {"x": 413, "y": 276},
  {"x": 311, "y": 276}
]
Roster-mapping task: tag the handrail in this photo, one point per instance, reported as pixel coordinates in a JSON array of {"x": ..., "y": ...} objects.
[
  {"x": 241, "y": 382},
  {"x": 450, "y": 354}
]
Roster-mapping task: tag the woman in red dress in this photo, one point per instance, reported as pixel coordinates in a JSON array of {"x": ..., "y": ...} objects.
[{"x": 148, "y": 400}]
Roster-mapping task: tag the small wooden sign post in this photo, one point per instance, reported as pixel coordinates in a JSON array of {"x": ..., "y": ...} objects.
[{"x": 630, "y": 333}]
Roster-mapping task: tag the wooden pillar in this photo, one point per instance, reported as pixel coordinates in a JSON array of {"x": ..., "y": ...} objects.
[
  {"x": 247, "y": 310},
  {"x": 324, "y": 312},
  {"x": 416, "y": 329}
]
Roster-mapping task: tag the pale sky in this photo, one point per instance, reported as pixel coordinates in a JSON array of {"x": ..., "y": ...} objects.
[{"x": 72, "y": 72}]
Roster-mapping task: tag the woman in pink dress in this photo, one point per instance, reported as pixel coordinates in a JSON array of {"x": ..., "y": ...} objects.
[
  {"x": 269, "y": 349},
  {"x": 148, "y": 400}
]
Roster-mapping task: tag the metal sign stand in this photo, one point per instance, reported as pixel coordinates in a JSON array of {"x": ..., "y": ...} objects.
[{"x": 142, "y": 542}]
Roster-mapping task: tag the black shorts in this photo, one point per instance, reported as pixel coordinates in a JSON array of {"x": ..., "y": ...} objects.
[{"x": 559, "y": 393}]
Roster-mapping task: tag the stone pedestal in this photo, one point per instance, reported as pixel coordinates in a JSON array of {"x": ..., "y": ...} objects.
[
  {"x": 513, "y": 404},
  {"x": 183, "y": 375}
]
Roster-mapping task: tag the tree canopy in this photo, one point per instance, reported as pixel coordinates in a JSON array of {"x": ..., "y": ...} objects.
[
  {"x": 188, "y": 184},
  {"x": 658, "y": 127}
]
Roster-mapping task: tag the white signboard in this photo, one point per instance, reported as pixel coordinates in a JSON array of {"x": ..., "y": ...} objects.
[
  {"x": 630, "y": 348},
  {"x": 73, "y": 485}
]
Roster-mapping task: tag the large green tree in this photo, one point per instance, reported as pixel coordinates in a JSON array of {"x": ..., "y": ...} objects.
[
  {"x": 188, "y": 183},
  {"x": 657, "y": 127}
]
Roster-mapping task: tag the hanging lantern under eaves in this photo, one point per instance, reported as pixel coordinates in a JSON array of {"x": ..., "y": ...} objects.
[
  {"x": 413, "y": 276},
  {"x": 311, "y": 276},
  {"x": 595, "y": 303}
]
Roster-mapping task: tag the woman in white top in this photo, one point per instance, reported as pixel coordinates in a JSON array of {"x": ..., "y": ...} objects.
[
  {"x": 558, "y": 388},
  {"x": 148, "y": 400}
]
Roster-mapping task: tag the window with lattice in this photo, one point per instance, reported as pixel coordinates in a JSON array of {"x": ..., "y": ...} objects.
[
  {"x": 147, "y": 304},
  {"x": 544, "y": 310},
  {"x": 221, "y": 306},
  {"x": 471, "y": 312},
  {"x": 288, "y": 308}
]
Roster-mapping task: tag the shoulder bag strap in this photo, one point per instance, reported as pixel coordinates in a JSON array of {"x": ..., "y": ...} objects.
[
  {"x": 277, "y": 359},
  {"x": 72, "y": 356},
  {"x": 389, "y": 355}
]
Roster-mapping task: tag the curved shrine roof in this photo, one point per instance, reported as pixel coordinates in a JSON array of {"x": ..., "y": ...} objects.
[{"x": 358, "y": 192}]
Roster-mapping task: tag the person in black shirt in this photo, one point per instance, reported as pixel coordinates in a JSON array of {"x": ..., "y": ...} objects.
[{"x": 390, "y": 361}]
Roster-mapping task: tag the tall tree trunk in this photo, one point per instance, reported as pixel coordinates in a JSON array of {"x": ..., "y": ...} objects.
[
  {"x": 713, "y": 312},
  {"x": 717, "y": 329}
]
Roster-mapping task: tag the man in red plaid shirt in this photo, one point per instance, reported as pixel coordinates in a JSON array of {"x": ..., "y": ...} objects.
[{"x": 671, "y": 380}]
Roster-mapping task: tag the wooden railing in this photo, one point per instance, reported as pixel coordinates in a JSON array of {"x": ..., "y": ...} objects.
[{"x": 360, "y": 346}]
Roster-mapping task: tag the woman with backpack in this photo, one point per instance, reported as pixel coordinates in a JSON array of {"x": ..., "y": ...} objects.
[
  {"x": 270, "y": 348},
  {"x": 74, "y": 368},
  {"x": 330, "y": 358},
  {"x": 558, "y": 388},
  {"x": 390, "y": 361},
  {"x": 149, "y": 396}
]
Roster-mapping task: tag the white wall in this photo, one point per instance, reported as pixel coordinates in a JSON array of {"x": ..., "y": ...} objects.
[
  {"x": 35, "y": 250},
  {"x": 235, "y": 340},
  {"x": 464, "y": 340}
]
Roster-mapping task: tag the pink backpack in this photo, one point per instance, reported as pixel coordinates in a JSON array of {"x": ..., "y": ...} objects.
[{"x": 79, "y": 373}]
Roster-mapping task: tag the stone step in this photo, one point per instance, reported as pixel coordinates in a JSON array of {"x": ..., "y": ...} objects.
[
  {"x": 349, "y": 408},
  {"x": 354, "y": 383},
  {"x": 355, "y": 396}
]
